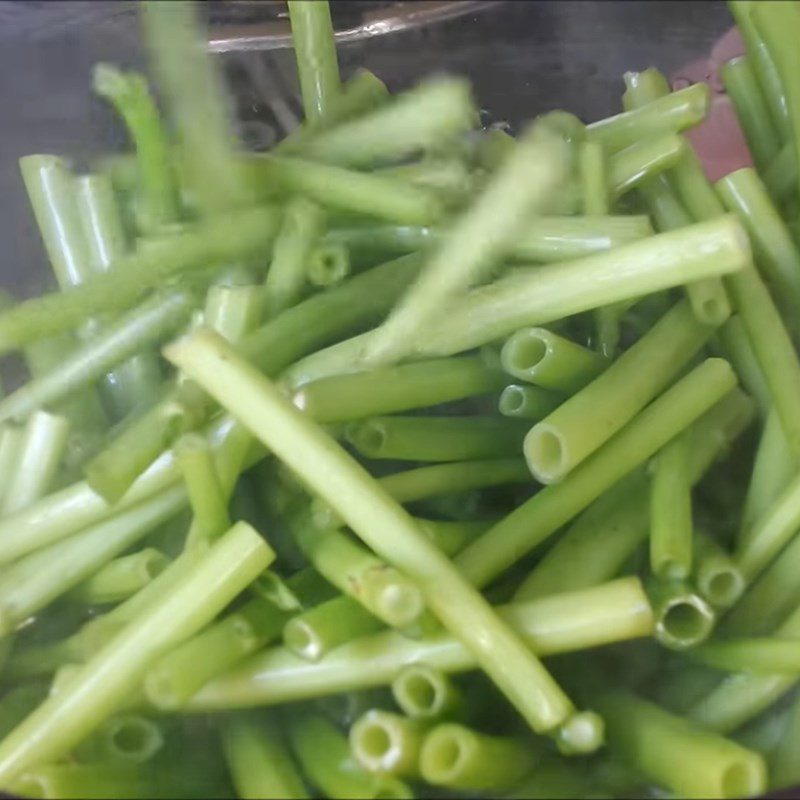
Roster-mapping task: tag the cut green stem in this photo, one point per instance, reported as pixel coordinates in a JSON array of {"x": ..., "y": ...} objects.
[
  {"x": 550, "y": 361},
  {"x": 130, "y": 96},
  {"x": 673, "y": 112},
  {"x": 436, "y": 438},
  {"x": 315, "y": 51},
  {"x": 527, "y": 402},
  {"x": 387, "y": 390},
  {"x": 460, "y": 758},
  {"x": 259, "y": 762},
  {"x": 423, "y": 692},
  {"x": 388, "y": 744},
  {"x": 741, "y": 86},
  {"x": 355, "y": 571},
  {"x": 314, "y": 633},
  {"x": 38, "y": 457},
  {"x": 671, "y": 528},
  {"x": 121, "y": 578},
  {"x": 676, "y": 754}
]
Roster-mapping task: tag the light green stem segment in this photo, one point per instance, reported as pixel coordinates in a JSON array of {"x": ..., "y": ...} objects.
[
  {"x": 460, "y": 758},
  {"x": 233, "y": 311},
  {"x": 780, "y": 177},
  {"x": 112, "y": 781},
  {"x": 135, "y": 382},
  {"x": 550, "y": 361},
  {"x": 157, "y": 187},
  {"x": 671, "y": 530},
  {"x": 385, "y": 197},
  {"x": 615, "y": 611},
  {"x": 537, "y": 518},
  {"x": 602, "y": 539},
  {"x": 541, "y": 295},
  {"x": 683, "y": 618},
  {"x": 197, "y": 105},
  {"x": 103, "y": 683},
  {"x": 587, "y": 420},
  {"x": 362, "y": 92},
  {"x": 594, "y": 177},
  {"x": 744, "y": 695},
  {"x": 779, "y": 26},
  {"x": 477, "y": 239},
  {"x": 326, "y": 761},
  {"x": 784, "y": 769},
  {"x": 259, "y": 762},
  {"x": 643, "y": 87},
  {"x": 354, "y": 570},
  {"x": 418, "y": 120},
  {"x": 208, "y": 500},
  {"x": 771, "y": 532},
  {"x": 177, "y": 675},
  {"x": 142, "y": 438},
  {"x": 642, "y": 160},
  {"x": 676, "y": 754},
  {"x": 452, "y": 536},
  {"x": 303, "y": 223},
  {"x": 34, "y": 581},
  {"x": 328, "y": 264},
  {"x": 673, "y": 112},
  {"x": 315, "y": 632},
  {"x": 739, "y": 80},
  {"x": 384, "y": 743},
  {"x": 764, "y": 67},
  {"x": 774, "y": 467},
  {"x": 717, "y": 577},
  {"x": 387, "y": 390},
  {"x": 10, "y": 443},
  {"x": 527, "y": 402},
  {"x": 762, "y": 656},
  {"x": 437, "y": 438},
  {"x": 51, "y": 192},
  {"x": 219, "y": 240},
  {"x": 383, "y": 525},
  {"x": 423, "y": 692},
  {"x": 772, "y": 347},
  {"x": 121, "y": 578},
  {"x": 38, "y": 457},
  {"x": 776, "y": 254},
  {"x": 735, "y": 346},
  {"x": 438, "y": 479},
  {"x": 544, "y": 239},
  {"x": 315, "y": 51}
]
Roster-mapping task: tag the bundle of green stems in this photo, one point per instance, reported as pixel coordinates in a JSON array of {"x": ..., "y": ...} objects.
[{"x": 346, "y": 469}]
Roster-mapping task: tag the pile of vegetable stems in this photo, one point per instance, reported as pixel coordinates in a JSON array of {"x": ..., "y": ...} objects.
[{"x": 334, "y": 461}]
